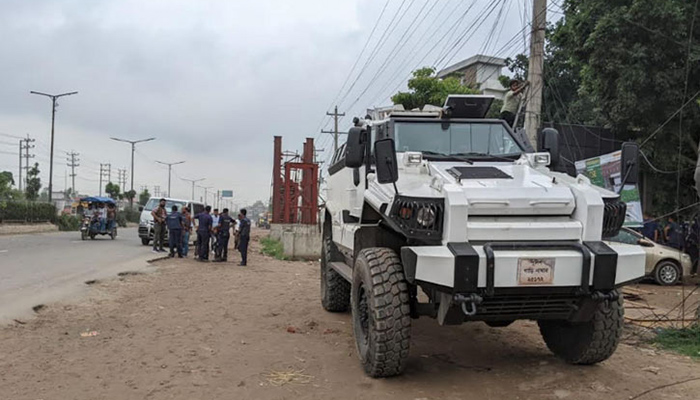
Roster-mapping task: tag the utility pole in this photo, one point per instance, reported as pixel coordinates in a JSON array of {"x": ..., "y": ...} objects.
[
  {"x": 26, "y": 147},
  {"x": 335, "y": 132},
  {"x": 533, "y": 108},
  {"x": 53, "y": 98},
  {"x": 133, "y": 149},
  {"x": 156, "y": 191},
  {"x": 19, "y": 182},
  {"x": 72, "y": 163},
  {"x": 105, "y": 172},
  {"x": 170, "y": 168},
  {"x": 193, "y": 181},
  {"x": 121, "y": 178},
  {"x": 206, "y": 192}
]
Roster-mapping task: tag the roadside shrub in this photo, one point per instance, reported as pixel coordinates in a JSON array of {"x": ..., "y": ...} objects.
[
  {"x": 129, "y": 215},
  {"x": 27, "y": 211},
  {"x": 68, "y": 222},
  {"x": 272, "y": 248}
]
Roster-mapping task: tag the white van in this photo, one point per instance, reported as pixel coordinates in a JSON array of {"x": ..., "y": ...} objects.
[{"x": 146, "y": 220}]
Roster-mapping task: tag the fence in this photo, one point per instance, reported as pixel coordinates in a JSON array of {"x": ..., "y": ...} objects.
[{"x": 26, "y": 211}]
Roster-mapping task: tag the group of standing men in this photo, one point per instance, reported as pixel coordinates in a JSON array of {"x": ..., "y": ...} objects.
[{"x": 180, "y": 224}]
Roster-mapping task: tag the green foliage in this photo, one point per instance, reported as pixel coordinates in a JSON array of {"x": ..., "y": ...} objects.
[
  {"x": 33, "y": 183},
  {"x": 6, "y": 190},
  {"x": 622, "y": 65},
  {"x": 143, "y": 197},
  {"x": 426, "y": 88},
  {"x": 129, "y": 195},
  {"x": 272, "y": 248},
  {"x": 495, "y": 109},
  {"x": 128, "y": 215},
  {"x": 68, "y": 222},
  {"x": 113, "y": 190},
  {"x": 684, "y": 341},
  {"x": 26, "y": 211}
]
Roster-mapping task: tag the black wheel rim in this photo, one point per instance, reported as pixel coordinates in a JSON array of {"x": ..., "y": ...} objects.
[{"x": 363, "y": 315}]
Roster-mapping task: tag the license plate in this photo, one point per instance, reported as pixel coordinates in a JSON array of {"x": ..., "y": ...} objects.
[{"x": 535, "y": 271}]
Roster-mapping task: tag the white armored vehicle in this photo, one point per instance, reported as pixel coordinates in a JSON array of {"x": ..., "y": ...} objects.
[{"x": 455, "y": 205}]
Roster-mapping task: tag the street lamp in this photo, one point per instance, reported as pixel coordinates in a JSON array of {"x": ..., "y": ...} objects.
[
  {"x": 133, "y": 149},
  {"x": 170, "y": 167},
  {"x": 193, "y": 181},
  {"x": 53, "y": 98},
  {"x": 206, "y": 192}
]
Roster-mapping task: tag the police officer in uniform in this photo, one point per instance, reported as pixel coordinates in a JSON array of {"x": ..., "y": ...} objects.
[
  {"x": 204, "y": 228},
  {"x": 224, "y": 234},
  {"x": 175, "y": 223},
  {"x": 244, "y": 236}
]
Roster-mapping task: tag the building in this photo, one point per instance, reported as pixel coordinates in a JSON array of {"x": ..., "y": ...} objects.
[{"x": 478, "y": 71}]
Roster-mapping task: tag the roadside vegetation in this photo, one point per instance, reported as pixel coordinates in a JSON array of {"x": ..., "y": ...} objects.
[
  {"x": 684, "y": 341},
  {"x": 272, "y": 248}
]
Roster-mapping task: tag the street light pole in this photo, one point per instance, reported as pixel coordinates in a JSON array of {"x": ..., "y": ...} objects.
[
  {"x": 193, "y": 181},
  {"x": 170, "y": 167},
  {"x": 53, "y": 98},
  {"x": 133, "y": 149},
  {"x": 206, "y": 193}
]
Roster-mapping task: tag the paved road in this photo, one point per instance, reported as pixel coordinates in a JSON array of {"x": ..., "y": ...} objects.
[{"x": 37, "y": 269}]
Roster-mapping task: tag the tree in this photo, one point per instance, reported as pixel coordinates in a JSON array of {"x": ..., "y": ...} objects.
[
  {"x": 6, "y": 182},
  {"x": 112, "y": 190},
  {"x": 143, "y": 197},
  {"x": 622, "y": 64},
  {"x": 129, "y": 195},
  {"x": 33, "y": 183},
  {"x": 426, "y": 88}
]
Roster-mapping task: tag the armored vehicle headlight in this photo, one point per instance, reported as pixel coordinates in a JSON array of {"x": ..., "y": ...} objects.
[
  {"x": 542, "y": 159},
  {"x": 426, "y": 216}
]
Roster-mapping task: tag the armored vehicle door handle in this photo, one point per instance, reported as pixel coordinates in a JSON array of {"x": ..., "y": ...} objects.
[
  {"x": 549, "y": 202},
  {"x": 492, "y": 202}
]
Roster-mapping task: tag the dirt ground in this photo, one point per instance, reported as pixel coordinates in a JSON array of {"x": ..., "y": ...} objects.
[{"x": 219, "y": 331}]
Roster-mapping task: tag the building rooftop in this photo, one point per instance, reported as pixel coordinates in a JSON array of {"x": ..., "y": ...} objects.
[{"x": 477, "y": 59}]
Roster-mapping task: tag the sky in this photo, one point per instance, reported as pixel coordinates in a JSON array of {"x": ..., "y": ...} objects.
[{"x": 215, "y": 80}]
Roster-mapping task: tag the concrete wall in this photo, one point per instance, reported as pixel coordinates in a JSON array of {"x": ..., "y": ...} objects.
[{"x": 299, "y": 241}]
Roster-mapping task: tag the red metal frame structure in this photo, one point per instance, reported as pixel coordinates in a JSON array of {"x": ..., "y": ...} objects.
[{"x": 295, "y": 186}]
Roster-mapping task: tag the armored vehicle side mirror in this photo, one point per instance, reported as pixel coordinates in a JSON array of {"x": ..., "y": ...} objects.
[
  {"x": 630, "y": 163},
  {"x": 140, "y": 208},
  {"x": 354, "y": 148},
  {"x": 385, "y": 156},
  {"x": 549, "y": 142}
]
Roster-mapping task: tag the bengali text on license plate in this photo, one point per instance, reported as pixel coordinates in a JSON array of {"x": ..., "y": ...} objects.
[{"x": 535, "y": 271}]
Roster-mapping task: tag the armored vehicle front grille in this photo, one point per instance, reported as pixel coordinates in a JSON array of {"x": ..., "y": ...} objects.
[{"x": 535, "y": 306}]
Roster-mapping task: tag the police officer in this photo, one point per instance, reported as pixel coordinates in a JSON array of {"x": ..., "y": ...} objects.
[
  {"x": 175, "y": 222},
  {"x": 159, "y": 215},
  {"x": 224, "y": 234},
  {"x": 204, "y": 228},
  {"x": 244, "y": 236}
]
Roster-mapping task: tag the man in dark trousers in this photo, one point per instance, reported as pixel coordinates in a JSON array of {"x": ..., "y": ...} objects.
[
  {"x": 244, "y": 236},
  {"x": 176, "y": 223},
  {"x": 159, "y": 214},
  {"x": 204, "y": 228},
  {"x": 224, "y": 234}
]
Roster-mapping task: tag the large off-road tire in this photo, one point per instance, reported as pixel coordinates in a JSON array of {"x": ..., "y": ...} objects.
[
  {"x": 335, "y": 290},
  {"x": 667, "y": 273},
  {"x": 381, "y": 315},
  {"x": 586, "y": 342},
  {"x": 145, "y": 241}
]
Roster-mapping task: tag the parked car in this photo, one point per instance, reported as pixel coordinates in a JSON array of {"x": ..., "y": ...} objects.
[
  {"x": 664, "y": 264},
  {"x": 146, "y": 221}
]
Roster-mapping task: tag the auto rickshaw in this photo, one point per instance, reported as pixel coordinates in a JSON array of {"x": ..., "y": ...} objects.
[{"x": 99, "y": 217}]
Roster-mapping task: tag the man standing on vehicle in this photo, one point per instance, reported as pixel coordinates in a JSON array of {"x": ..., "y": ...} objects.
[
  {"x": 244, "y": 236},
  {"x": 175, "y": 223},
  {"x": 204, "y": 228},
  {"x": 224, "y": 234},
  {"x": 159, "y": 214},
  {"x": 511, "y": 101}
]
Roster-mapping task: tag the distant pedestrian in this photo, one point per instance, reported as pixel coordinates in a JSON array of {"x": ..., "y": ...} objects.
[
  {"x": 204, "y": 228},
  {"x": 511, "y": 101},
  {"x": 224, "y": 234},
  {"x": 175, "y": 223},
  {"x": 186, "y": 231},
  {"x": 215, "y": 228},
  {"x": 244, "y": 236},
  {"x": 651, "y": 228},
  {"x": 159, "y": 214},
  {"x": 672, "y": 234}
]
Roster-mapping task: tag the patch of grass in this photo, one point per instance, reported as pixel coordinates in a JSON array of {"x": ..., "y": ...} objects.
[
  {"x": 272, "y": 248},
  {"x": 684, "y": 341}
]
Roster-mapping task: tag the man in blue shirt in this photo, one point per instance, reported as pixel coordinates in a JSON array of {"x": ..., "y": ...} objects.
[
  {"x": 223, "y": 235},
  {"x": 244, "y": 236},
  {"x": 175, "y": 223},
  {"x": 204, "y": 227},
  {"x": 650, "y": 229}
]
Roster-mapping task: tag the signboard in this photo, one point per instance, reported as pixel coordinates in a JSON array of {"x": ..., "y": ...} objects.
[
  {"x": 227, "y": 193},
  {"x": 605, "y": 171}
]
